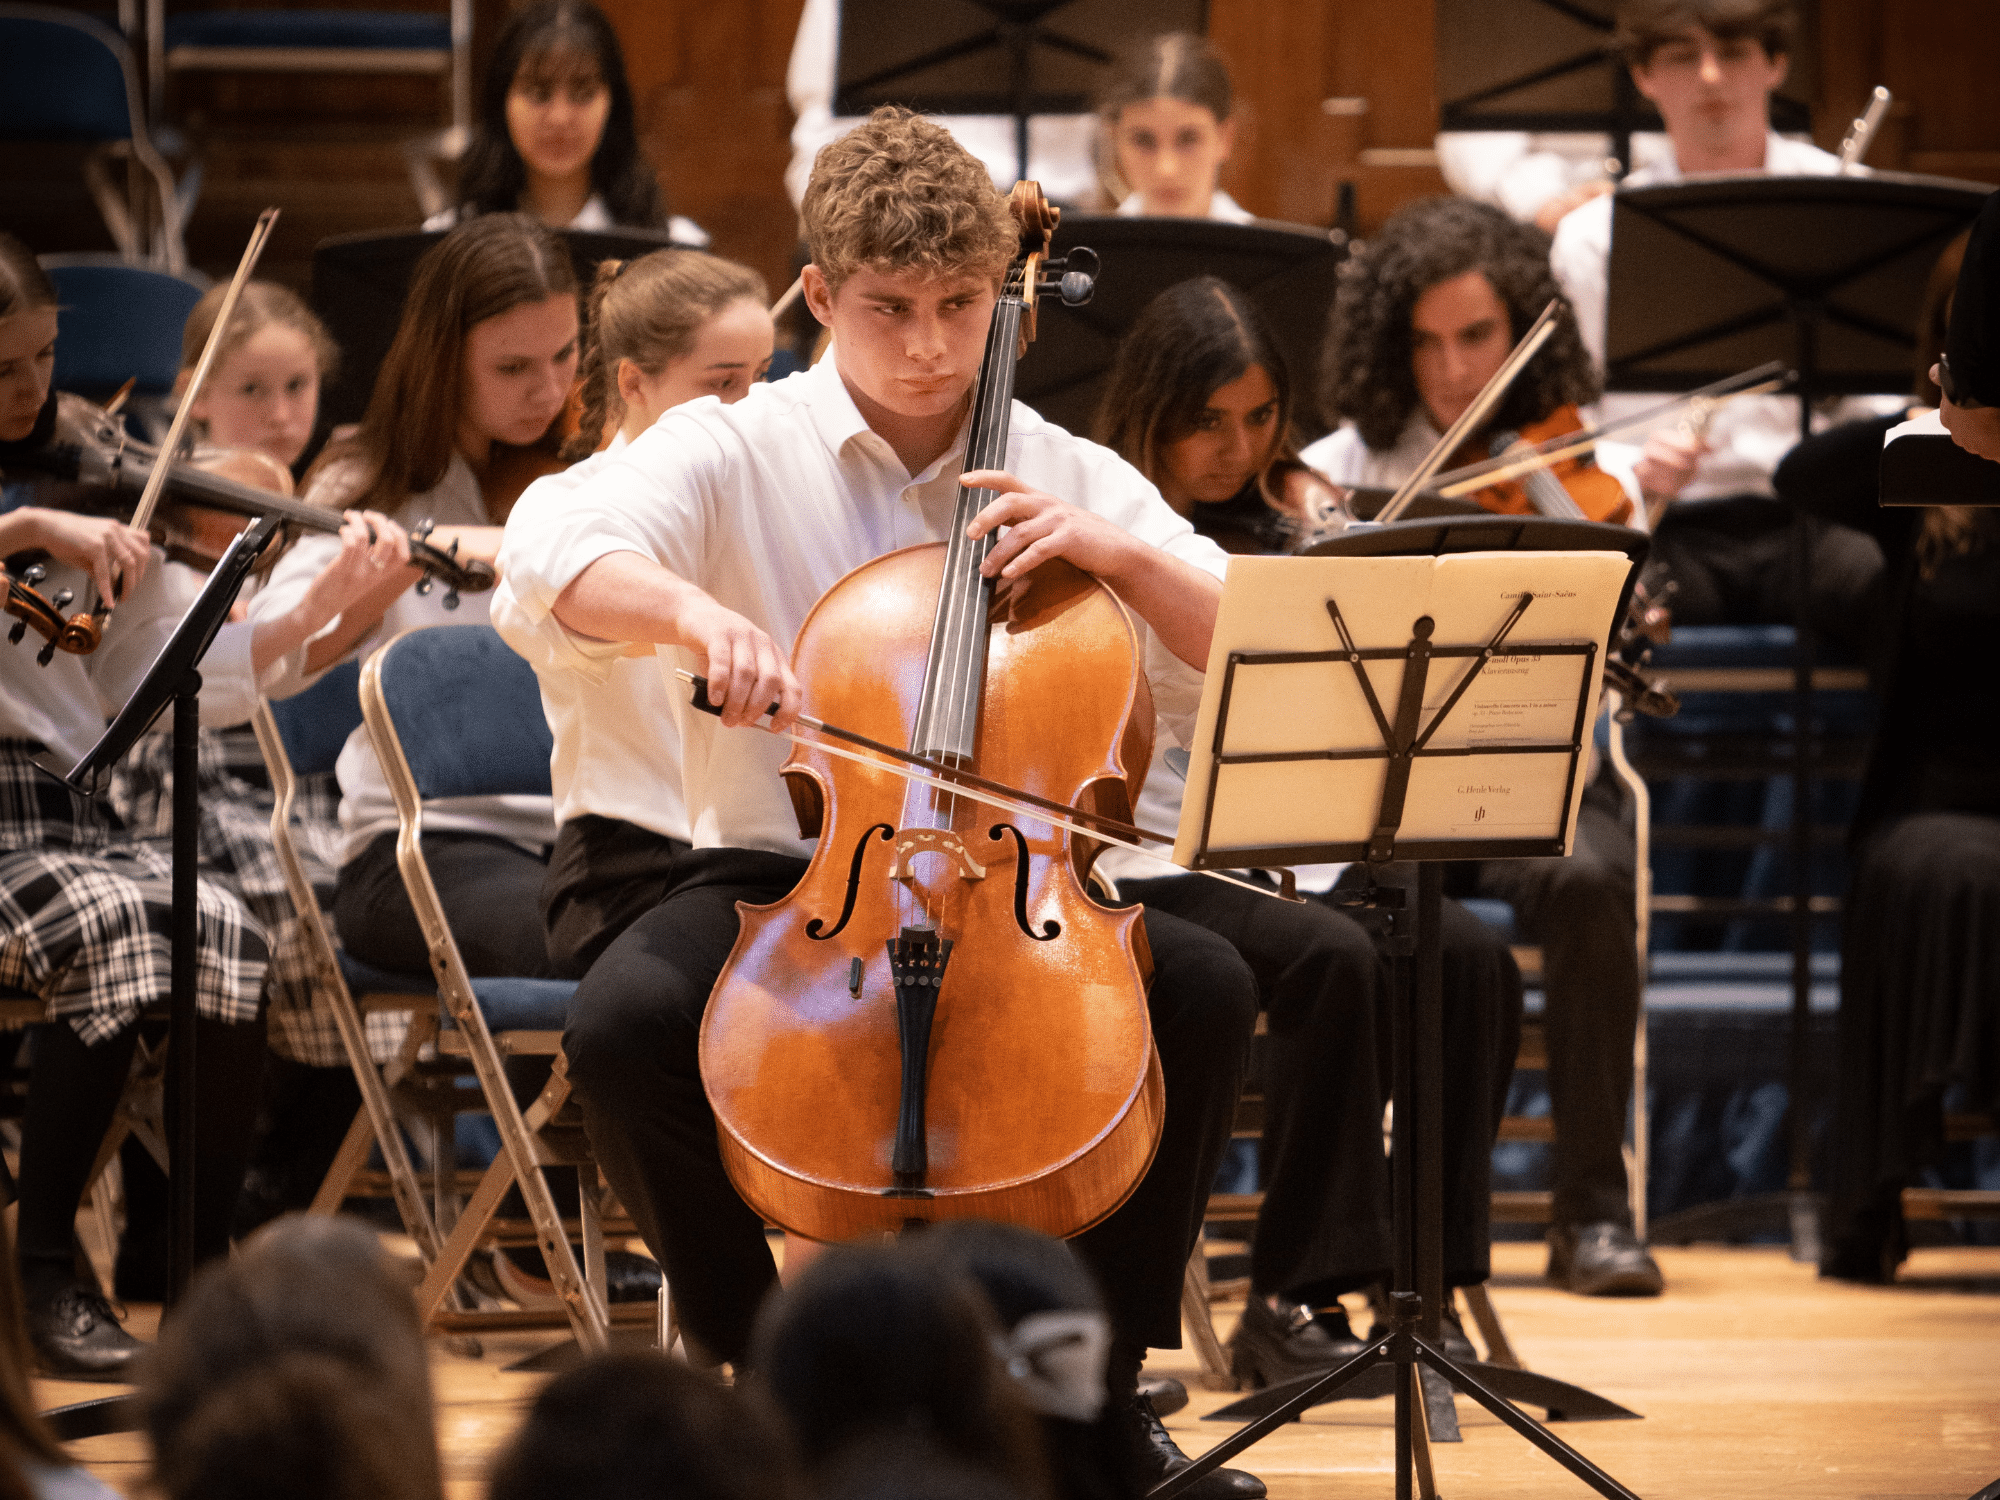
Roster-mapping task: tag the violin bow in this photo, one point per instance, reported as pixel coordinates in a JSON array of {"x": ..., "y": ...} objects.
[
  {"x": 1469, "y": 420},
  {"x": 149, "y": 498},
  {"x": 1764, "y": 379},
  {"x": 914, "y": 768}
]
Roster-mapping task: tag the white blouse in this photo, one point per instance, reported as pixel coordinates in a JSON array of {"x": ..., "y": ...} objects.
[{"x": 366, "y": 808}]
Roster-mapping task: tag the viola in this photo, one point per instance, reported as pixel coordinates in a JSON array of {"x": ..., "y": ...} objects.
[
  {"x": 1574, "y": 489},
  {"x": 940, "y": 1021}
]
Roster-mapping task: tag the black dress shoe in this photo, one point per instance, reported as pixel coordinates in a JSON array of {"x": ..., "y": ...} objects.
[
  {"x": 1604, "y": 1259},
  {"x": 1270, "y": 1347},
  {"x": 1167, "y": 1394},
  {"x": 1151, "y": 1455},
  {"x": 76, "y": 1336}
]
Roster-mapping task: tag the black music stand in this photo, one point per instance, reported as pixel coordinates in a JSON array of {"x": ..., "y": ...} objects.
[
  {"x": 359, "y": 282},
  {"x": 1551, "y": 65},
  {"x": 1709, "y": 276},
  {"x": 175, "y": 678},
  {"x": 992, "y": 57},
  {"x": 1438, "y": 762},
  {"x": 1288, "y": 270}
]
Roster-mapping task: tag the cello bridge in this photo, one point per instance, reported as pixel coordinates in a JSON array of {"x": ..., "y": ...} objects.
[{"x": 914, "y": 841}]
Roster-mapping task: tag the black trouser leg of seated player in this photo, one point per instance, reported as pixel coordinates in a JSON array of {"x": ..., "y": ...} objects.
[
  {"x": 632, "y": 1045},
  {"x": 1325, "y": 1224}
]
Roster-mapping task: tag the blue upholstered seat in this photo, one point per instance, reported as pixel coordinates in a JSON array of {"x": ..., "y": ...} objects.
[
  {"x": 118, "y": 322},
  {"x": 315, "y": 724},
  {"x": 370, "y": 29},
  {"x": 61, "y": 80},
  {"x": 468, "y": 712}
]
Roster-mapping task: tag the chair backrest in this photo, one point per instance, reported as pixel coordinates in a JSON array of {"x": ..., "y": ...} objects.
[
  {"x": 118, "y": 322},
  {"x": 64, "y": 77},
  {"x": 315, "y": 724},
  {"x": 468, "y": 713}
]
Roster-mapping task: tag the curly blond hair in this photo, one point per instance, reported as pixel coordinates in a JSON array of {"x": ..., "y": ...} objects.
[{"x": 898, "y": 194}]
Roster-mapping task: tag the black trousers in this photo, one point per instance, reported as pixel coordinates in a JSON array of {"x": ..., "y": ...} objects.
[
  {"x": 1580, "y": 911},
  {"x": 72, "y": 1095},
  {"x": 1735, "y": 560},
  {"x": 1325, "y": 1227},
  {"x": 632, "y": 1045},
  {"x": 604, "y": 875},
  {"x": 489, "y": 887}
]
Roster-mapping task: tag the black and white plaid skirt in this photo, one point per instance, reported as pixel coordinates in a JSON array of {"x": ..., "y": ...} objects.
[
  {"x": 236, "y": 851},
  {"x": 86, "y": 912}
]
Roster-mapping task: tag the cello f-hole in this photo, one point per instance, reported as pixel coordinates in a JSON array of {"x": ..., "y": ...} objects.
[
  {"x": 813, "y": 928},
  {"x": 1050, "y": 928}
]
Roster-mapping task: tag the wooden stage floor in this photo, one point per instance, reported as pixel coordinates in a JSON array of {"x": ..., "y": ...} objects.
[{"x": 1754, "y": 1377}]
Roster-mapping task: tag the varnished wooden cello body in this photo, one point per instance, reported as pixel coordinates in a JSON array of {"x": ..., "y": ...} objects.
[{"x": 940, "y": 1021}]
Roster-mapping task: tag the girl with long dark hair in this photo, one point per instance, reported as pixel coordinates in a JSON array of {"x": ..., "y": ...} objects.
[{"x": 557, "y": 136}]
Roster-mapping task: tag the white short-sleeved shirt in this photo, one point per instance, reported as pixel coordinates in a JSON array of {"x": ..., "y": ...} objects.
[
  {"x": 367, "y": 810},
  {"x": 1746, "y": 436},
  {"x": 617, "y": 749},
  {"x": 1059, "y": 146},
  {"x": 764, "y": 505}
]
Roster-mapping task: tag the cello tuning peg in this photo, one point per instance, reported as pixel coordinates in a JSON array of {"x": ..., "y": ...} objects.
[
  {"x": 62, "y": 600},
  {"x": 1077, "y": 288},
  {"x": 20, "y": 629},
  {"x": 451, "y": 599},
  {"x": 35, "y": 574},
  {"x": 424, "y": 584},
  {"x": 46, "y": 655}
]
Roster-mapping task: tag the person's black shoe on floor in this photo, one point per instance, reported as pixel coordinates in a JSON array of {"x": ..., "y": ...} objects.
[
  {"x": 1604, "y": 1259},
  {"x": 1151, "y": 1455},
  {"x": 1272, "y": 1345},
  {"x": 76, "y": 1336},
  {"x": 1167, "y": 1394}
]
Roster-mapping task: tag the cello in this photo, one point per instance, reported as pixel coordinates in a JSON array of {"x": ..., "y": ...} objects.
[{"x": 940, "y": 1021}]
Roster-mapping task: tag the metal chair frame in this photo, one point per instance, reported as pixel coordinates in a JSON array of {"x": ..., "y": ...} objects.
[{"x": 525, "y": 1135}]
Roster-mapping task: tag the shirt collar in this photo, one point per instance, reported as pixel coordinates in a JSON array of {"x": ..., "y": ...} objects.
[{"x": 838, "y": 421}]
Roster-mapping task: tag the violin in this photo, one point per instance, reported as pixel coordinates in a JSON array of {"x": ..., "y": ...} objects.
[
  {"x": 940, "y": 1021},
  {"x": 91, "y": 448},
  {"x": 1572, "y": 489}
]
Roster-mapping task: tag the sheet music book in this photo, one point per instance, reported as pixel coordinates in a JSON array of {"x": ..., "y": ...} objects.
[
  {"x": 1499, "y": 765},
  {"x": 1921, "y": 465}
]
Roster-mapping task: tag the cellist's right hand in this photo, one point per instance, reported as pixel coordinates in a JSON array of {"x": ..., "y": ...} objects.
[
  {"x": 623, "y": 596},
  {"x": 746, "y": 671}
]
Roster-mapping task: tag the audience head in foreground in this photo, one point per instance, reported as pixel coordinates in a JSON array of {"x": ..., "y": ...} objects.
[
  {"x": 873, "y": 1346},
  {"x": 296, "y": 1369},
  {"x": 637, "y": 1424}
]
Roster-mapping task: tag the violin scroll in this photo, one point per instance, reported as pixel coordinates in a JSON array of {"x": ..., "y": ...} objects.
[{"x": 30, "y": 607}]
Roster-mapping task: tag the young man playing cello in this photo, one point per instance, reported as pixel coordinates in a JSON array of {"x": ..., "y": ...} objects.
[
  {"x": 714, "y": 534},
  {"x": 1430, "y": 312}
]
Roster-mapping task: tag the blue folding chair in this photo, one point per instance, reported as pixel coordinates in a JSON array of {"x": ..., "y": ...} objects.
[
  {"x": 67, "y": 78},
  {"x": 120, "y": 322},
  {"x": 421, "y": 695}
]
